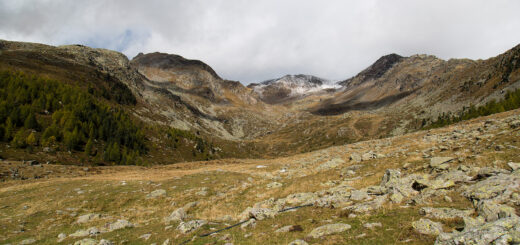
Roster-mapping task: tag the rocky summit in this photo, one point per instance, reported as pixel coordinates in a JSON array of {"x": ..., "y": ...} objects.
[{"x": 96, "y": 148}]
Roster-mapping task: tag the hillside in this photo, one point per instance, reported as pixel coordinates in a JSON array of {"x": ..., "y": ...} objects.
[{"x": 454, "y": 185}]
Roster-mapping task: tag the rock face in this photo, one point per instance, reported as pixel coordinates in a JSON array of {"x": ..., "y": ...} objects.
[{"x": 328, "y": 230}]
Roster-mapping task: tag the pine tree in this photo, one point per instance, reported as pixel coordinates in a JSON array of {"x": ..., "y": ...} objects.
[
  {"x": 9, "y": 129},
  {"x": 31, "y": 139},
  {"x": 31, "y": 122},
  {"x": 89, "y": 147}
]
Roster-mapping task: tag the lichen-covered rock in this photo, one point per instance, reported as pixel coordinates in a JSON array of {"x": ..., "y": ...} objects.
[
  {"x": 502, "y": 230},
  {"x": 444, "y": 213},
  {"x": 192, "y": 225},
  {"x": 427, "y": 227},
  {"x": 488, "y": 172},
  {"x": 328, "y": 230},
  {"x": 492, "y": 211},
  {"x": 499, "y": 188},
  {"x": 177, "y": 215}
]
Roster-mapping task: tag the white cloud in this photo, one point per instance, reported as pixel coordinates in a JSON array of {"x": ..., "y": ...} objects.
[{"x": 258, "y": 40}]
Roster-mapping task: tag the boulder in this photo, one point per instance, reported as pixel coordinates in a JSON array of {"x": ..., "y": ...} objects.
[
  {"x": 177, "y": 215},
  {"x": 192, "y": 225},
  {"x": 492, "y": 211},
  {"x": 119, "y": 224},
  {"x": 500, "y": 188},
  {"x": 28, "y": 241},
  {"x": 156, "y": 193},
  {"x": 427, "y": 227},
  {"x": 257, "y": 213},
  {"x": 87, "y": 218},
  {"x": 355, "y": 157},
  {"x": 372, "y": 225},
  {"x": 501, "y": 231},
  {"x": 513, "y": 165},
  {"x": 328, "y": 230}
]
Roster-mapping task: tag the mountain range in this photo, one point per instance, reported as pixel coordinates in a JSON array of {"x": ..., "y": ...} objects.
[{"x": 283, "y": 116}]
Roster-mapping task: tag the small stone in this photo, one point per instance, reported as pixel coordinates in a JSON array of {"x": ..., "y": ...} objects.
[
  {"x": 28, "y": 241},
  {"x": 166, "y": 242},
  {"x": 372, "y": 225},
  {"x": 289, "y": 228},
  {"x": 62, "y": 237},
  {"x": 273, "y": 185},
  {"x": 447, "y": 199},
  {"x": 145, "y": 236},
  {"x": 298, "y": 242}
]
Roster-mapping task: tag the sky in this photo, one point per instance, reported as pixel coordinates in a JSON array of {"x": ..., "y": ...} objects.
[{"x": 253, "y": 41}]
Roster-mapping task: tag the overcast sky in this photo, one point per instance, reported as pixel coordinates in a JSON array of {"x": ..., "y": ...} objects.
[{"x": 256, "y": 40}]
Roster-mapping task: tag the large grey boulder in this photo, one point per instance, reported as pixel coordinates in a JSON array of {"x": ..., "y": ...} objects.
[
  {"x": 328, "y": 230},
  {"x": 500, "y": 188},
  {"x": 427, "y": 227}
]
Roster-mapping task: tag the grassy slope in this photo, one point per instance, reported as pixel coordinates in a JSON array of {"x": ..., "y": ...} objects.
[{"x": 230, "y": 190}]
